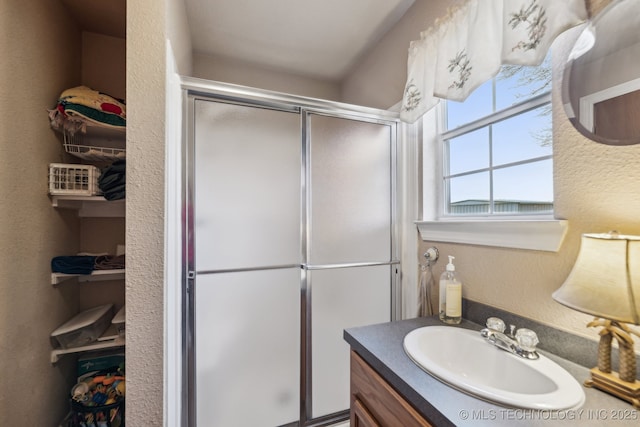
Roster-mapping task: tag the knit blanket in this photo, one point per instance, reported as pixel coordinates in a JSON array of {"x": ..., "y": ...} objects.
[{"x": 80, "y": 105}]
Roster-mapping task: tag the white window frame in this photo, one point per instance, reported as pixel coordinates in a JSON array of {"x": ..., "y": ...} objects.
[
  {"x": 493, "y": 118},
  {"x": 533, "y": 232}
]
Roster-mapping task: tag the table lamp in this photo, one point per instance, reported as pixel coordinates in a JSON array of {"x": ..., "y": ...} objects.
[{"x": 605, "y": 282}]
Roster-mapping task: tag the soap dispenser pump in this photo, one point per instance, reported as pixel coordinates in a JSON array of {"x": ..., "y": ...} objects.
[{"x": 450, "y": 310}]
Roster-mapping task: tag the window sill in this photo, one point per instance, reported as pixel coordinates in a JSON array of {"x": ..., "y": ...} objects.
[{"x": 538, "y": 235}]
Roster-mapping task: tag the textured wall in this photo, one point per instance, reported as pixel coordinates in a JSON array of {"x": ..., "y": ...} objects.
[
  {"x": 378, "y": 79},
  {"x": 179, "y": 36},
  {"x": 519, "y": 281},
  {"x": 150, "y": 24},
  {"x": 40, "y": 48},
  {"x": 242, "y": 73},
  {"x": 103, "y": 68},
  {"x": 595, "y": 185},
  {"x": 104, "y": 63},
  {"x": 146, "y": 36}
]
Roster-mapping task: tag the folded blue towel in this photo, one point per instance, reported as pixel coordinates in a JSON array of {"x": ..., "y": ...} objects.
[{"x": 77, "y": 264}]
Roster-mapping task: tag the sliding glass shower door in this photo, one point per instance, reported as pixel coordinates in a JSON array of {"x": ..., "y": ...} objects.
[
  {"x": 349, "y": 245},
  {"x": 291, "y": 214},
  {"x": 247, "y": 265}
]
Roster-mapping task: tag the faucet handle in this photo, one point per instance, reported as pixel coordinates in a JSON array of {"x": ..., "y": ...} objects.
[
  {"x": 496, "y": 324},
  {"x": 527, "y": 339}
]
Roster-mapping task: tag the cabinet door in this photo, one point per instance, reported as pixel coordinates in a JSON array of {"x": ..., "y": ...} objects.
[
  {"x": 386, "y": 407},
  {"x": 361, "y": 417}
]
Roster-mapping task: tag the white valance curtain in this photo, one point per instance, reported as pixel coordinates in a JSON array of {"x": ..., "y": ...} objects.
[{"x": 467, "y": 47}]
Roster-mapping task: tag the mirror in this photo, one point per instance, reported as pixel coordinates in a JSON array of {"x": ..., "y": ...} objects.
[{"x": 601, "y": 84}]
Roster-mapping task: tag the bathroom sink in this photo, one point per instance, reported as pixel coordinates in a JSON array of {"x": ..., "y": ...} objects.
[{"x": 462, "y": 359}]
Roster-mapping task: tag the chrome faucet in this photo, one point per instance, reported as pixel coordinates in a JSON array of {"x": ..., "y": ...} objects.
[{"x": 522, "y": 343}]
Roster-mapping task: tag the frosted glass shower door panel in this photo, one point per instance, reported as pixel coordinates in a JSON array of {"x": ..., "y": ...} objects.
[
  {"x": 247, "y": 186},
  {"x": 342, "y": 298},
  {"x": 248, "y": 348},
  {"x": 350, "y": 191}
]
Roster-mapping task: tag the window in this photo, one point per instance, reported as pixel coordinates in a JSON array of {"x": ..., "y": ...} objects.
[{"x": 497, "y": 147}]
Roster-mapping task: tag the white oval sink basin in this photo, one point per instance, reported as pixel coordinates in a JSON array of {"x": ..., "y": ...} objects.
[{"x": 464, "y": 360}]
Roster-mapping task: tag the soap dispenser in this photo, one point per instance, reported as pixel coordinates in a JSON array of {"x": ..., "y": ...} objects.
[{"x": 450, "y": 310}]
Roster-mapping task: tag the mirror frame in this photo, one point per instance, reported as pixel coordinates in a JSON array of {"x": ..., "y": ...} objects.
[{"x": 587, "y": 40}]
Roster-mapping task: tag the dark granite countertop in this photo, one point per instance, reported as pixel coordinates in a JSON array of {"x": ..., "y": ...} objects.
[{"x": 382, "y": 347}]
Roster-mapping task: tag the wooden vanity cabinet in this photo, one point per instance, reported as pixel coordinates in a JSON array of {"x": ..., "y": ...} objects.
[{"x": 374, "y": 403}]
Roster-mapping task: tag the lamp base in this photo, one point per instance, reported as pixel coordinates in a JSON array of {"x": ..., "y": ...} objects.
[{"x": 612, "y": 384}]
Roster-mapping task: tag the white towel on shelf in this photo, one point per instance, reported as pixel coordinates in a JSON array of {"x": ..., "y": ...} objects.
[
  {"x": 530, "y": 26},
  {"x": 469, "y": 50}
]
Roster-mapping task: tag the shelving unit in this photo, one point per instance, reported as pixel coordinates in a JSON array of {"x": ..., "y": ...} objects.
[
  {"x": 91, "y": 206},
  {"x": 79, "y": 223},
  {"x": 96, "y": 144},
  {"x": 105, "y": 342},
  {"x": 86, "y": 207},
  {"x": 95, "y": 276}
]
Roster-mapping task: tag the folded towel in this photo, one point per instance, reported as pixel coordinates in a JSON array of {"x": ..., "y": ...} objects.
[
  {"x": 109, "y": 262},
  {"x": 112, "y": 181},
  {"x": 95, "y": 100},
  {"x": 78, "y": 106},
  {"x": 92, "y": 115},
  {"x": 77, "y": 264}
]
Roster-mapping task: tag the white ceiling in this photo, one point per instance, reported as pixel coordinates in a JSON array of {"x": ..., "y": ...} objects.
[{"x": 315, "y": 38}]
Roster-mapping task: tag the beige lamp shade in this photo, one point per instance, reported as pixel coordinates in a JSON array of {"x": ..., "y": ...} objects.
[{"x": 605, "y": 280}]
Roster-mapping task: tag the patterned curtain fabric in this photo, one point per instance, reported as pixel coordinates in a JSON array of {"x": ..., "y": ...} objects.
[
  {"x": 469, "y": 45},
  {"x": 469, "y": 49},
  {"x": 420, "y": 78}
]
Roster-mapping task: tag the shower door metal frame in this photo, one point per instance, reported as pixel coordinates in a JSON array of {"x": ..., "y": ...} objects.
[
  {"x": 197, "y": 89},
  {"x": 306, "y": 286}
]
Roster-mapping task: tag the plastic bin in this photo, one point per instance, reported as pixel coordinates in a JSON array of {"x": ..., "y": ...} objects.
[
  {"x": 72, "y": 179},
  {"x": 92, "y": 362},
  {"x": 97, "y": 416},
  {"x": 97, "y": 399},
  {"x": 119, "y": 322},
  {"x": 84, "y": 328}
]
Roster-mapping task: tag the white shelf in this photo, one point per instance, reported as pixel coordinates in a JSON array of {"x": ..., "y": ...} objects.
[
  {"x": 91, "y": 206},
  {"x": 95, "y": 276},
  {"x": 102, "y": 343}
]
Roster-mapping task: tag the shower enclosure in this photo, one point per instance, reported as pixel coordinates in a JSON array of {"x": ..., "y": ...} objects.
[{"x": 289, "y": 218}]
